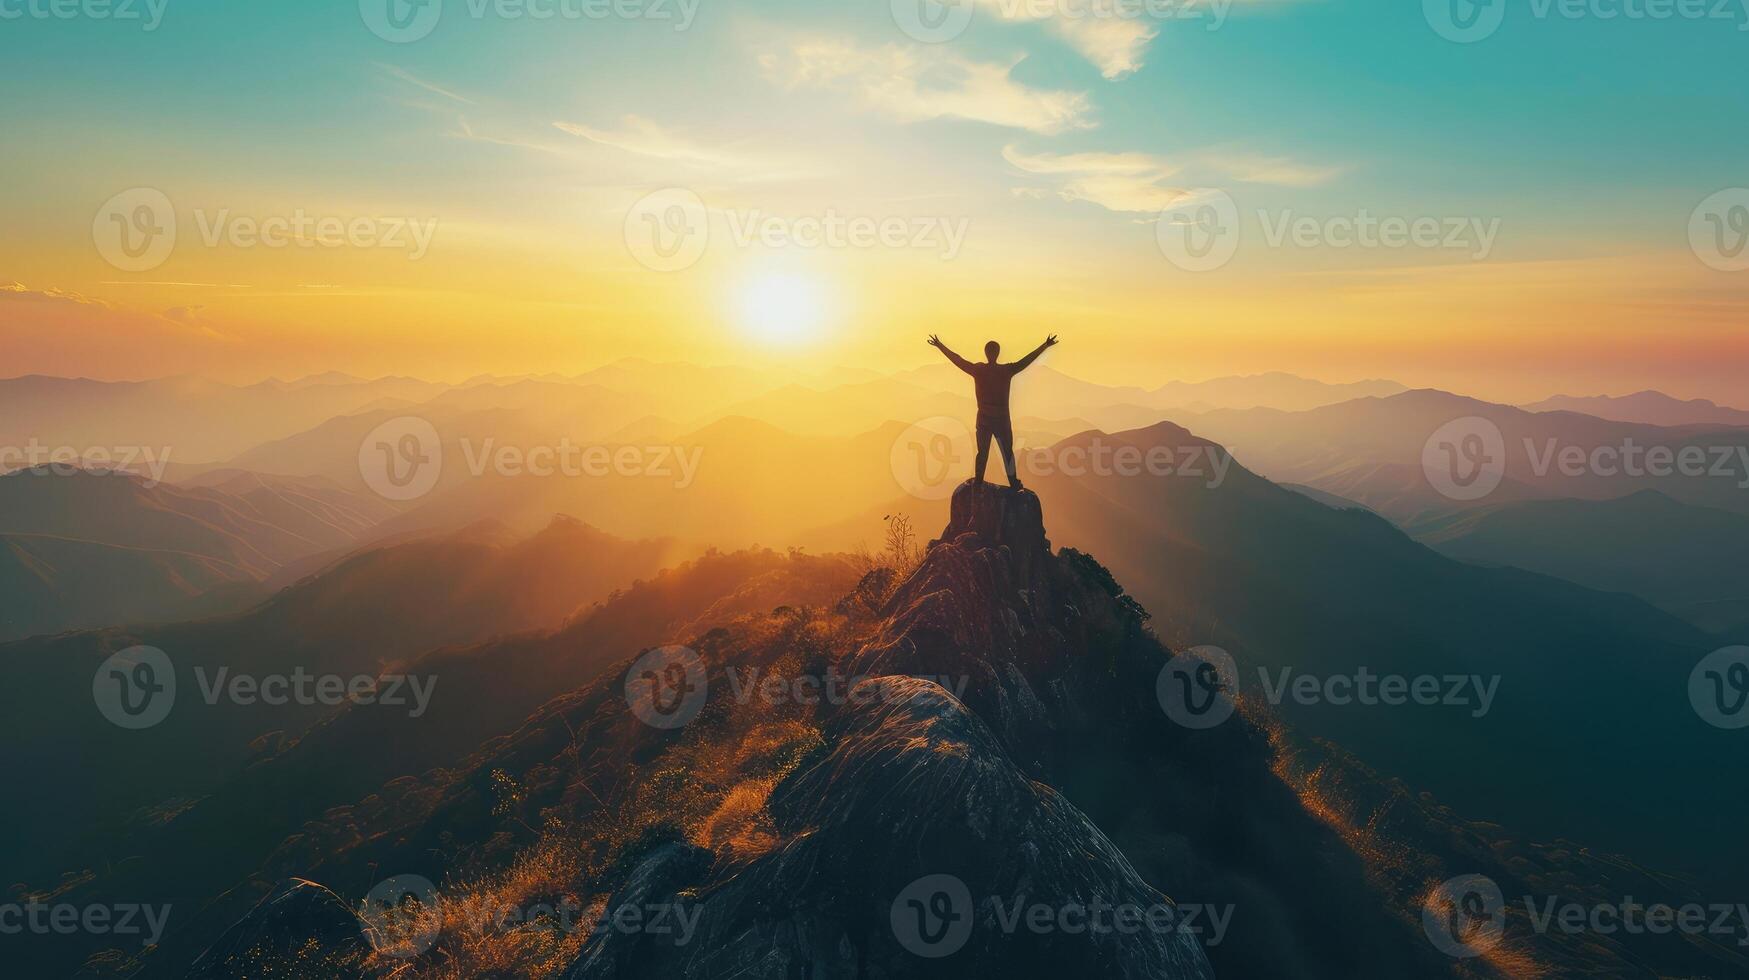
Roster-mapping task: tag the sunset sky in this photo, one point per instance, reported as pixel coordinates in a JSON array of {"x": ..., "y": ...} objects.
[{"x": 1052, "y": 143}]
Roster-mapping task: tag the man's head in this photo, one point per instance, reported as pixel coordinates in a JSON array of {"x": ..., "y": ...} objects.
[{"x": 992, "y": 350}]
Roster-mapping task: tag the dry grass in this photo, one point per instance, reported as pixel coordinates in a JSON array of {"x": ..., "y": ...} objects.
[
  {"x": 709, "y": 787},
  {"x": 740, "y": 829},
  {"x": 533, "y": 919},
  {"x": 530, "y": 920}
]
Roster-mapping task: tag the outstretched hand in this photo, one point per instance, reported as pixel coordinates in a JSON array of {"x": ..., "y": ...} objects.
[
  {"x": 934, "y": 341},
  {"x": 1051, "y": 341}
]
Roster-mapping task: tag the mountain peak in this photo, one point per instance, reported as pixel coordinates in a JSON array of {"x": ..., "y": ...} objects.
[{"x": 998, "y": 516}]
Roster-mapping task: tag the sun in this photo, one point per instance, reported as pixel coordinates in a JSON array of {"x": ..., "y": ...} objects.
[{"x": 782, "y": 308}]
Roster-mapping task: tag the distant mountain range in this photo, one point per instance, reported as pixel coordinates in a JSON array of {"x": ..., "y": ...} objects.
[
  {"x": 204, "y": 423},
  {"x": 735, "y": 482},
  {"x": 756, "y": 442},
  {"x": 1376, "y": 452},
  {"x": 81, "y": 549},
  {"x": 1049, "y": 393},
  {"x": 198, "y": 421},
  {"x": 1652, "y": 407},
  {"x": 1685, "y": 559}
]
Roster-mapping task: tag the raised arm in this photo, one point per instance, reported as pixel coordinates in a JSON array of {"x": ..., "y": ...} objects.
[
  {"x": 958, "y": 361},
  {"x": 1026, "y": 361}
]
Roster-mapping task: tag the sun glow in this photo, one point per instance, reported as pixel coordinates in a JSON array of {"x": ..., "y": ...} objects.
[{"x": 782, "y": 308}]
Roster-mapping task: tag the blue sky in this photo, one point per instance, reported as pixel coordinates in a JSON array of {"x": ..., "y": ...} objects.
[{"x": 1589, "y": 138}]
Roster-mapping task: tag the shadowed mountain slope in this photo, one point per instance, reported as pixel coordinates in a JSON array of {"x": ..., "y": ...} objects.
[
  {"x": 89, "y": 548},
  {"x": 188, "y": 850},
  {"x": 1687, "y": 560},
  {"x": 359, "y": 617},
  {"x": 1287, "y": 584}
]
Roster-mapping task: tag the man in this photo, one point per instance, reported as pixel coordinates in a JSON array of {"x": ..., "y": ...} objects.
[{"x": 992, "y": 381}]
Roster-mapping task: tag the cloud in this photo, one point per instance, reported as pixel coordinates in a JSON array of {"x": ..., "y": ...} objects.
[
  {"x": 1114, "y": 46},
  {"x": 183, "y": 316},
  {"x": 51, "y": 316},
  {"x": 188, "y": 316},
  {"x": 645, "y": 138},
  {"x": 1138, "y": 182},
  {"x": 1121, "y": 182},
  {"x": 411, "y": 79},
  {"x": 19, "y": 292},
  {"x": 918, "y": 84},
  {"x": 1105, "y": 32},
  {"x": 1114, "y": 35},
  {"x": 201, "y": 285},
  {"x": 464, "y": 130},
  {"x": 1282, "y": 171}
]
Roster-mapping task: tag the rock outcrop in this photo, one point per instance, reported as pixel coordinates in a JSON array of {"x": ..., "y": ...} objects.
[
  {"x": 993, "y": 610},
  {"x": 915, "y": 848},
  {"x": 918, "y": 845}
]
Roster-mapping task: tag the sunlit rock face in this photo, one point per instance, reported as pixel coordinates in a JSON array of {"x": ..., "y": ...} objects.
[{"x": 916, "y": 835}]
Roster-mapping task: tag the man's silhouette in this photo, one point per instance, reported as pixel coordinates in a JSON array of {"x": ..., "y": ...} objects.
[{"x": 992, "y": 381}]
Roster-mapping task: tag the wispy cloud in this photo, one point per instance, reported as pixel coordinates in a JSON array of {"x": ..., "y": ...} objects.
[
  {"x": 411, "y": 79},
  {"x": 643, "y": 137},
  {"x": 1121, "y": 182},
  {"x": 200, "y": 285},
  {"x": 96, "y": 312},
  {"x": 20, "y": 292},
  {"x": 914, "y": 84},
  {"x": 1142, "y": 182},
  {"x": 1115, "y": 35},
  {"x": 465, "y": 130},
  {"x": 1282, "y": 171},
  {"x": 1096, "y": 29}
]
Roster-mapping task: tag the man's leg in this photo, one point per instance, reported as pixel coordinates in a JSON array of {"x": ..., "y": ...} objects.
[
  {"x": 984, "y": 434},
  {"x": 1005, "y": 441}
]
